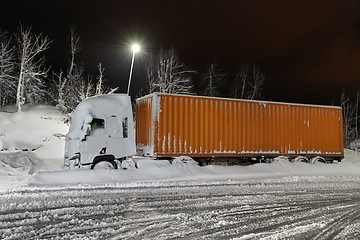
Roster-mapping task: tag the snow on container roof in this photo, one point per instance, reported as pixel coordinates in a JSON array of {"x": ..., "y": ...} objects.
[
  {"x": 102, "y": 107},
  {"x": 244, "y": 100}
]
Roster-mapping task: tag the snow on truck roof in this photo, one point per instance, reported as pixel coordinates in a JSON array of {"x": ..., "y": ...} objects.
[
  {"x": 102, "y": 106},
  {"x": 243, "y": 100}
]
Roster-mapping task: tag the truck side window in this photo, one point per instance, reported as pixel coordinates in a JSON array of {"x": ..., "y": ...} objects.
[
  {"x": 97, "y": 123},
  {"x": 125, "y": 127}
]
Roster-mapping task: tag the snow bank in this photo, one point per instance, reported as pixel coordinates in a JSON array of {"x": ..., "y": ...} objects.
[
  {"x": 36, "y": 129},
  {"x": 30, "y": 141},
  {"x": 188, "y": 170}
]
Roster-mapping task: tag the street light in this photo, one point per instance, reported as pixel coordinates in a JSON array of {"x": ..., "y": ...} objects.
[{"x": 135, "y": 48}]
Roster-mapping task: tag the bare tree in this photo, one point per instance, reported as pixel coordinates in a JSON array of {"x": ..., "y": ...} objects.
[
  {"x": 75, "y": 89},
  {"x": 100, "y": 87},
  {"x": 247, "y": 83},
  {"x": 61, "y": 87},
  {"x": 167, "y": 75},
  {"x": 243, "y": 76},
  {"x": 214, "y": 79},
  {"x": 7, "y": 70},
  {"x": 76, "y": 81},
  {"x": 100, "y": 83},
  {"x": 69, "y": 84},
  {"x": 32, "y": 69},
  {"x": 85, "y": 89},
  {"x": 75, "y": 47},
  {"x": 350, "y": 110},
  {"x": 257, "y": 83},
  {"x": 239, "y": 85},
  {"x": 349, "y": 118},
  {"x": 357, "y": 114}
]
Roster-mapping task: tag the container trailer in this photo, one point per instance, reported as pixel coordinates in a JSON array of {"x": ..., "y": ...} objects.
[
  {"x": 207, "y": 128},
  {"x": 203, "y": 128}
]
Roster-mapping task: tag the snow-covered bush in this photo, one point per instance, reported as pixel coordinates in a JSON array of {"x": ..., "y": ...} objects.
[{"x": 355, "y": 145}]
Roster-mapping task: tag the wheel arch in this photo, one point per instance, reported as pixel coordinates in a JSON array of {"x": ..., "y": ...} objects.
[
  {"x": 108, "y": 157},
  {"x": 318, "y": 159},
  {"x": 301, "y": 159}
]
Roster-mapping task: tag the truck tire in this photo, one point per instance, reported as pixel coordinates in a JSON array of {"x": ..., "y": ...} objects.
[
  {"x": 104, "y": 162},
  {"x": 104, "y": 165}
]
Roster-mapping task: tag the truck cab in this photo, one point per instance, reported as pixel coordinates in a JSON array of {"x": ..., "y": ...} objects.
[{"x": 101, "y": 133}]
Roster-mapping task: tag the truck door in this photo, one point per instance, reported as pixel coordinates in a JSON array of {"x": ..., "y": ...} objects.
[
  {"x": 93, "y": 141},
  {"x": 117, "y": 130}
]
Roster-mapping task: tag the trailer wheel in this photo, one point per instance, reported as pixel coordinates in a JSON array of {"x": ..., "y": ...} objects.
[
  {"x": 318, "y": 159},
  {"x": 281, "y": 158},
  {"x": 301, "y": 159}
]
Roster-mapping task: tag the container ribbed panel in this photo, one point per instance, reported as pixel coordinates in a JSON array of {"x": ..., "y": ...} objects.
[{"x": 201, "y": 127}]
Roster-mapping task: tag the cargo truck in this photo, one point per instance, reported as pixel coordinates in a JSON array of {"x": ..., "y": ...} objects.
[{"x": 204, "y": 128}]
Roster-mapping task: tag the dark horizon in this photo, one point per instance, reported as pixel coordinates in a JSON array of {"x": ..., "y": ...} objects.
[{"x": 308, "y": 50}]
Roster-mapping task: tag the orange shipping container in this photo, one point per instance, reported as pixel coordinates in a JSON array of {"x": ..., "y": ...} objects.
[{"x": 170, "y": 125}]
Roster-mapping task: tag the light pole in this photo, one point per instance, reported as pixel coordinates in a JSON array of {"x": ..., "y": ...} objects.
[{"x": 135, "y": 48}]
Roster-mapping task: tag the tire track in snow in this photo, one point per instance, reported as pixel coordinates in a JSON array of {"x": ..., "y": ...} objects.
[
  {"x": 220, "y": 210},
  {"x": 338, "y": 224}
]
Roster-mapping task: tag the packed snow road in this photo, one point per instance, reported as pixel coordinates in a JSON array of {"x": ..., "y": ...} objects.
[{"x": 283, "y": 208}]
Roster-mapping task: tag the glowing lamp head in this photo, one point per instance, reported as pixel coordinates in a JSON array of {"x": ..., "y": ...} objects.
[{"x": 135, "y": 48}]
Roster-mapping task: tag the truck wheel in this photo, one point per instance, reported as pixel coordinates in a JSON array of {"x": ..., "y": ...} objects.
[{"x": 105, "y": 164}]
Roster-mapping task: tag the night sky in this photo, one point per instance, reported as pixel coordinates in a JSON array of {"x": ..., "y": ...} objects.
[{"x": 308, "y": 50}]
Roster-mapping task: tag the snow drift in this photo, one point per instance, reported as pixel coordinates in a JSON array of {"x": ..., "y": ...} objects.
[{"x": 30, "y": 141}]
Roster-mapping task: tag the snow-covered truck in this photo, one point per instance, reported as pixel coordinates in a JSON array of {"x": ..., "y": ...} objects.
[
  {"x": 101, "y": 132},
  {"x": 204, "y": 128}
]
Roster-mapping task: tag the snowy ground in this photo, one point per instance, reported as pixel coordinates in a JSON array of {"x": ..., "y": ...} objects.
[
  {"x": 277, "y": 208},
  {"x": 159, "y": 200}
]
